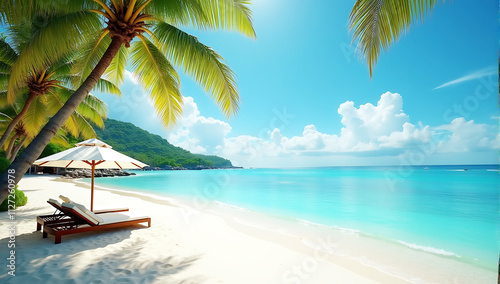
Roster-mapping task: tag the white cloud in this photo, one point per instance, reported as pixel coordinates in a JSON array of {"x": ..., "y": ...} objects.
[
  {"x": 197, "y": 133},
  {"x": 369, "y": 132},
  {"x": 410, "y": 136},
  {"x": 472, "y": 76},
  {"x": 467, "y": 136}
]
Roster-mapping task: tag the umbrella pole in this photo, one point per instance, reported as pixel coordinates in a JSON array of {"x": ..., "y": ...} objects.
[{"x": 92, "y": 188}]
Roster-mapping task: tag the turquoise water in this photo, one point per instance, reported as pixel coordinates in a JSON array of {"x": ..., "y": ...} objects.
[{"x": 442, "y": 210}]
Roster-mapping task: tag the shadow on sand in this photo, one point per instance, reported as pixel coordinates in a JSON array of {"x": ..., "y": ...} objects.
[{"x": 109, "y": 256}]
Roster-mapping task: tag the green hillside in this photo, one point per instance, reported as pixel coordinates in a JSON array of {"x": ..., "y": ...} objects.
[
  {"x": 152, "y": 149},
  {"x": 146, "y": 147},
  {"x": 216, "y": 160}
]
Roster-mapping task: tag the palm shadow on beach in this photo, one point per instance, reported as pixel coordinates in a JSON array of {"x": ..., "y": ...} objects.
[{"x": 110, "y": 256}]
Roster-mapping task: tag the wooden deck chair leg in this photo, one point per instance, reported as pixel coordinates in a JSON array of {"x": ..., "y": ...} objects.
[
  {"x": 58, "y": 239},
  {"x": 44, "y": 234},
  {"x": 38, "y": 226}
]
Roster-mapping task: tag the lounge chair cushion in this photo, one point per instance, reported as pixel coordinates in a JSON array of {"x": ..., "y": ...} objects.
[
  {"x": 55, "y": 202},
  {"x": 65, "y": 199},
  {"x": 90, "y": 213},
  {"x": 82, "y": 210},
  {"x": 114, "y": 218}
]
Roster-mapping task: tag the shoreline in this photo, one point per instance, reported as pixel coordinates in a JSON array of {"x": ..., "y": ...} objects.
[
  {"x": 292, "y": 242},
  {"x": 229, "y": 243},
  {"x": 424, "y": 257},
  {"x": 387, "y": 261},
  {"x": 183, "y": 245}
]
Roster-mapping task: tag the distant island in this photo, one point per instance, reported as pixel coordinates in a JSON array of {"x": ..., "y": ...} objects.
[{"x": 149, "y": 148}]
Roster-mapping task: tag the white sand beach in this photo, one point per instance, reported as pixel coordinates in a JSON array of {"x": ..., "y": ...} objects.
[{"x": 183, "y": 245}]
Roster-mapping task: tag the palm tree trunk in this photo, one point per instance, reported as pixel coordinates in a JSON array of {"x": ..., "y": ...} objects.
[
  {"x": 33, "y": 151},
  {"x": 16, "y": 119},
  {"x": 16, "y": 150},
  {"x": 11, "y": 145}
]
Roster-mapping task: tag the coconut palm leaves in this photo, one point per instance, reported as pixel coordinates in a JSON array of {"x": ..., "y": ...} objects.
[
  {"x": 378, "y": 23},
  {"x": 46, "y": 86},
  {"x": 161, "y": 80},
  {"x": 22, "y": 134},
  {"x": 130, "y": 23},
  {"x": 159, "y": 44},
  {"x": 205, "y": 65},
  {"x": 41, "y": 109},
  {"x": 51, "y": 38}
]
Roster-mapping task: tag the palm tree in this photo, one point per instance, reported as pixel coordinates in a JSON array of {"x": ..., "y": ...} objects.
[
  {"x": 39, "y": 85},
  {"x": 378, "y": 23},
  {"x": 150, "y": 29},
  {"x": 21, "y": 132},
  {"x": 91, "y": 110}
]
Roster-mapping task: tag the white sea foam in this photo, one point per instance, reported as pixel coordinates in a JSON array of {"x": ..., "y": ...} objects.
[
  {"x": 398, "y": 273},
  {"x": 222, "y": 204},
  {"x": 309, "y": 223},
  {"x": 429, "y": 249},
  {"x": 345, "y": 230}
]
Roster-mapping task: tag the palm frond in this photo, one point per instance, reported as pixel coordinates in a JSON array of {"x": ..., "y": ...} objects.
[
  {"x": 4, "y": 80},
  {"x": 63, "y": 66},
  {"x": 5, "y": 68},
  {"x": 233, "y": 15},
  {"x": 60, "y": 138},
  {"x": 186, "y": 12},
  {"x": 7, "y": 54},
  {"x": 35, "y": 117},
  {"x": 116, "y": 69},
  {"x": 3, "y": 98},
  {"x": 71, "y": 126},
  {"x": 43, "y": 48},
  {"x": 205, "y": 65},
  {"x": 92, "y": 108},
  {"x": 159, "y": 78},
  {"x": 98, "y": 105},
  {"x": 376, "y": 24},
  {"x": 55, "y": 101},
  {"x": 85, "y": 130},
  {"x": 67, "y": 7},
  {"x": 22, "y": 96},
  {"x": 89, "y": 56},
  {"x": 105, "y": 86},
  {"x": 6, "y": 116},
  {"x": 15, "y": 11}
]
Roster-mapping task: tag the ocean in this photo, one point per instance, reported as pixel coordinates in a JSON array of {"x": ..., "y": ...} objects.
[{"x": 447, "y": 214}]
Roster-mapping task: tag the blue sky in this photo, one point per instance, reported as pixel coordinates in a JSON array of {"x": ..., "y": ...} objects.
[{"x": 307, "y": 99}]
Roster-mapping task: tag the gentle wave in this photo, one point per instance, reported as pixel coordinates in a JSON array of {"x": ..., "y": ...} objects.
[
  {"x": 429, "y": 249},
  {"x": 222, "y": 204},
  {"x": 309, "y": 223}
]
